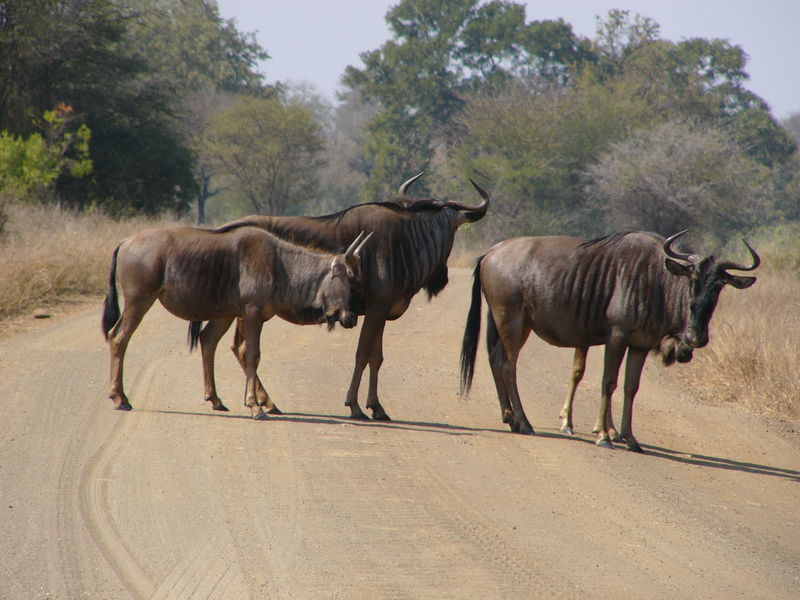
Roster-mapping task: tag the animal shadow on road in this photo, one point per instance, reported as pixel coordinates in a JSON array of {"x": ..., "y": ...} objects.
[
  {"x": 678, "y": 456},
  {"x": 324, "y": 419},
  {"x": 716, "y": 462}
]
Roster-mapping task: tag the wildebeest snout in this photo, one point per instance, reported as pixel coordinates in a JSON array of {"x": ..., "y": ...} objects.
[
  {"x": 695, "y": 339},
  {"x": 683, "y": 353},
  {"x": 348, "y": 319}
]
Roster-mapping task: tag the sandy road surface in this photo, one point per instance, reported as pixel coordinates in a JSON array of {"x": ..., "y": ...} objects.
[{"x": 175, "y": 501}]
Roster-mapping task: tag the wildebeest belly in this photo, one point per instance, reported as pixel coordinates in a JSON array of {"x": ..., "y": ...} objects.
[
  {"x": 567, "y": 325},
  {"x": 195, "y": 308},
  {"x": 202, "y": 287}
]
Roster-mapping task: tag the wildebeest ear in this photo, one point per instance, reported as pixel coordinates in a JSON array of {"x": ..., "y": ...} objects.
[
  {"x": 337, "y": 267},
  {"x": 740, "y": 282},
  {"x": 676, "y": 268}
]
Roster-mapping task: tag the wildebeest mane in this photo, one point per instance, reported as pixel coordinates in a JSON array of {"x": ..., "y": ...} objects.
[
  {"x": 401, "y": 204},
  {"x": 605, "y": 240},
  {"x": 232, "y": 226}
]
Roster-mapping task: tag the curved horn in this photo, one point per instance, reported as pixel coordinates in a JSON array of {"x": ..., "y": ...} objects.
[
  {"x": 351, "y": 250},
  {"x": 725, "y": 265},
  {"x": 668, "y": 247},
  {"x": 473, "y": 213},
  {"x": 407, "y": 184},
  {"x": 357, "y": 251}
]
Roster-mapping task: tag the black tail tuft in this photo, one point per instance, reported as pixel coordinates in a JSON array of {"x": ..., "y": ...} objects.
[
  {"x": 111, "y": 303},
  {"x": 469, "y": 346},
  {"x": 195, "y": 327}
]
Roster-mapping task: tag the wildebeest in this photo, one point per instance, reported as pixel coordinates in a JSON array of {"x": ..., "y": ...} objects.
[
  {"x": 413, "y": 239},
  {"x": 629, "y": 291},
  {"x": 243, "y": 272}
]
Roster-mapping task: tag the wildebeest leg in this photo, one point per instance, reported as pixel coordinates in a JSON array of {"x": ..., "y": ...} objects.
[
  {"x": 513, "y": 332},
  {"x": 578, "y": 369},
  {"x": 374, "y": 321},
  {"x": 633, "y": 374},
  {"x": 375, "y": 361},
  {"x": 209, "y": 338},
  {"x": 493, "y": 345},
  {"x": 615, "y": 351},
  {"x": 118, "y": 338},
  {"x": 253, "y": 323},
  {"x": 497, "y": 357},
  {"x": 239, "y": 350}
]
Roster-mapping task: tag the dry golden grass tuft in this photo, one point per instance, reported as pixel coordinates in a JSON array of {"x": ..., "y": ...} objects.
[
  {"x": 753, "y": 358},
  {"x": 48, "y": 254}
]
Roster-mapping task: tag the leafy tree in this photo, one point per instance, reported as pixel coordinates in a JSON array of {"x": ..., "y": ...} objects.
[
  {"x": 792, "y": 125},
  {"x": 695, "y": 78},
  {"x": 537, "y": 142},
  {"x": 203, "y": 59},
  {"x": 619, "y": 37},
  {"x": 268, "y": 151},
  {"x": 129, "y": 70},
  {"x": 191, "y": 47},
  {"x": 534, "y": 144},
  {"x": 30, "y": 167},
  {"x": 73, "y": 52},
  {"x": 441, "y": 50}
]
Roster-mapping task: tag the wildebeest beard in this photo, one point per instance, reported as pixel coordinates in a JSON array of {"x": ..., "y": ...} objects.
[
  {"x": 331, "y": 322},
  {"x": 311, "y": 315}
]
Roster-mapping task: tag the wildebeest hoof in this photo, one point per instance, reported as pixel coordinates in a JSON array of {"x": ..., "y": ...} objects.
[
  {"x": 568, "y": 430},
  {"x": 604, "y": 444},
  {"x": 122, "y": 406},
  {"x": 525, "y": 429},
  {"x": 378, "y": 414},
  {"x": 216, "y": 403},
  {"x": 274, "y": 410},
  {"x": 634, "y": 446},
  {"x": 260, "y": 415},
  {"x": 359, "y": 416}
]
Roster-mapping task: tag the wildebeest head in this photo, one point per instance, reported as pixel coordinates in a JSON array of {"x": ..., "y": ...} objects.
[
  {"x": 342, "y": 284},
  {"x": 707, "y": 276},
  {"x": 464, "y": 213}
]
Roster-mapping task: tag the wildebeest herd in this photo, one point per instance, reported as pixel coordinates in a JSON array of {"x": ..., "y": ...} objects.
[{"x": 632, "y": 292}]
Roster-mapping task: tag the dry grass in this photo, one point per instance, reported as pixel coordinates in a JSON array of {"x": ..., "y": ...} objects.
[
  {"x": 48, "y": 254},
  {"x": 753, "y": 358}
]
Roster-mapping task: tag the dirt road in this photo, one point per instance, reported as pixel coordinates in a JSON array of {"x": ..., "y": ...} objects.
[{"x": 175, "y": 501}]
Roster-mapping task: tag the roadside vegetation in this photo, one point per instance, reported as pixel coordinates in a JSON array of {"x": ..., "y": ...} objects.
[
  {"x": 48, "y": 255},
  {"x": 117, "y": 114}
]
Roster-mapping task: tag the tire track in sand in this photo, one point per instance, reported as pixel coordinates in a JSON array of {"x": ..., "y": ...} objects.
[
  {"x": 95, "y": 506},
  {"x": 201, "y": 573}
]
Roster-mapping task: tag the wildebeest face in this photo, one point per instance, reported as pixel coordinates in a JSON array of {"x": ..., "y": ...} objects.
[
  {"x": 339, "y": 293},
  {"x": 342, "y": 286},
  {"x": 707, "y": 277}
]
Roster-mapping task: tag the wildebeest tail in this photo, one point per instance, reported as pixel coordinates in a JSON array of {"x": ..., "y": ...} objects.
[
  {"x": 111, "y": 303},
  {"x": 195, "y": 327},
  {"x": 469, "y": 346}
]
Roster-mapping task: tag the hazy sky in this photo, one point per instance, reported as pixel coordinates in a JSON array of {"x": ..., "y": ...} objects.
[{"x": 314, "y": 40}]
